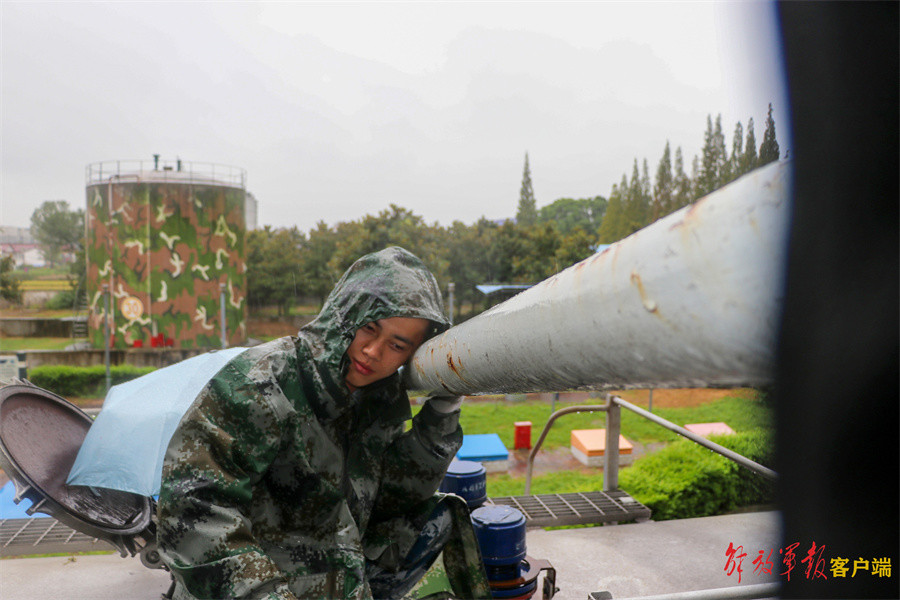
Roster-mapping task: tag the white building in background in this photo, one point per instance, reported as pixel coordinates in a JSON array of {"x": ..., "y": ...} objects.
[
  {"x": 18, "y": 243},
  {"x": 250, "y": 211}
]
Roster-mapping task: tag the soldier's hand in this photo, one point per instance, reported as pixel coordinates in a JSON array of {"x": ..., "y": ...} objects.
[{"x": 445, "y": 404}]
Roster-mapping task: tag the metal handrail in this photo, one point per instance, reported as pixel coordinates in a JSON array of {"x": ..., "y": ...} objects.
[
  {"x": 177, "y": 171},
  {"x": 730, "y": 454},
  {"x": 738, "y": 592},
  {"x": 537, "y": 446},
  {"x": 613, "y": 429}
]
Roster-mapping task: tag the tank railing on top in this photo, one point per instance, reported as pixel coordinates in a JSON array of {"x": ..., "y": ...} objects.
[
  {"x": 173, "y": 171},
  {"x": 613, "y": 430}
]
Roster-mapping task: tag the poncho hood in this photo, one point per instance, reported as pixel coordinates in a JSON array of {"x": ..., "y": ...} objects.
[{"x": 390, "y": 283}]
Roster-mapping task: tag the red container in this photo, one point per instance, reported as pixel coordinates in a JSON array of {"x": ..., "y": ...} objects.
[{"x": 523, "y": 435}]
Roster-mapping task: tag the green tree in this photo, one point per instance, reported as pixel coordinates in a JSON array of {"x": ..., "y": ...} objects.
[
  {"x": 9, "y": 283},
  {"x": 535, "y": 256},
  {"x": 318, "y": 277},
  {"x": 395, "y": 226},
  {"x": 768, "y": 150},
  {"x": 723, "y": 170},
  {"x": 574, "y": 247},
  {"x": 683, "y": 192},
  {"x": 57, "y": 229},
  {"x": 712, "y": 170},
  {"x": 274, "y": 267},
  {"x": 749, "y": 158},
  {"x": 569, "y": 214},
  {"x": 527, "y": 211},
  {"x": 664, "y": 187},
  {"x": 697, "y": 185},
  {"x": 467, "y": 255},
  {"x": 737, "y": 144},
  {"x": 637, "y": 204},
  {"x": 613, "y": 227}
]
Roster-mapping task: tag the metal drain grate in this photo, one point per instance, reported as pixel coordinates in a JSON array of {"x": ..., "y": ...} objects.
[
  {"x": 577, "y": 508},
  {"x": 20, "y": 537}
]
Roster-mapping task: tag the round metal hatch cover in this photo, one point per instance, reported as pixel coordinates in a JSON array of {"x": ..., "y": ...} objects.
[{"x": 40, "y": 434}]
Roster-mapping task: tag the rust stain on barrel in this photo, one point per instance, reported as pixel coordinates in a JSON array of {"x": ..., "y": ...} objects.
[
  {"x": 453, "y": 366},
  {"x": 418, "y": 365},
  {"x": 648, "y": 303}
]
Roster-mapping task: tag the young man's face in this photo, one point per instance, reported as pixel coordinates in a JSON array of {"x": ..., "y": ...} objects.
[{"x": 381, "y": 347}]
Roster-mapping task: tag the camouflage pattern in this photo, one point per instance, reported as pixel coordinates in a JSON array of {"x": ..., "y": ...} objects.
[
  {"x": 170, "y": 245},
  {"x": 279, "y": 483}
]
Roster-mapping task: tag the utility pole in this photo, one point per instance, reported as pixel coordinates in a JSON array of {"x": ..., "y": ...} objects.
[
  {"x": 451, "y": 287},
  {"x": 106, "y": 334},
  {"x": 222, "y": 314}
]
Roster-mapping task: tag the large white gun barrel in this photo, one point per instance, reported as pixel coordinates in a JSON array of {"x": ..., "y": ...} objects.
[{"x": 693, "y": 300}]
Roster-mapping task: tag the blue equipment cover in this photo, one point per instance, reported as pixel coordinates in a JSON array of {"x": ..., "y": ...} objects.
[
  {"x": 482, "y": 447},
  {"x": 124, "y": 448}
]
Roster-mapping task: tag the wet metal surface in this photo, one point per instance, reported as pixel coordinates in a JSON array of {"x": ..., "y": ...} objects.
[
  {"x": 576, "y": 508},
  {"x": 23, "y": 537},
  {"x": 40, "y": 434},
  {"x": 692, "y": 300}
]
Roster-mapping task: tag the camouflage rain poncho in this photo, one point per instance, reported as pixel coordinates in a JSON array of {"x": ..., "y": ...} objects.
[{"x": 280, "y": 483}]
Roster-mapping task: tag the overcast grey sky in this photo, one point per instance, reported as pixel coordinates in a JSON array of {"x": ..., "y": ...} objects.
[{"x": 337, "y": 110}]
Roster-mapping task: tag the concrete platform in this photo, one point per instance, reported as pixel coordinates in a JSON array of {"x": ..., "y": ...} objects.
[
  {"x": 644, "y": 559},
  {"x": 627, "y": 560}
]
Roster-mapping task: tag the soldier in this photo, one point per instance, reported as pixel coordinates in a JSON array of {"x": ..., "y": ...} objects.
[{"x": 291, "y": 475}]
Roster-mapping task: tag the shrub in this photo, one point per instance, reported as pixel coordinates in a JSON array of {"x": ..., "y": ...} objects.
[
  {"x": 61, "y": 300},
  {"x": 82, "y": 381},
  {"x": 685, "y": 480}
]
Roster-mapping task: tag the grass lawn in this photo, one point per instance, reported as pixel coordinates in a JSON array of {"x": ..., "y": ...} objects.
[
  {"x": 14, "y": 344},
  {"x": 559, "y": 482},
  {"x": 37, "y": 313},
  {"x": 742, "y": 412},
  {"x": 42, "y": 273}
]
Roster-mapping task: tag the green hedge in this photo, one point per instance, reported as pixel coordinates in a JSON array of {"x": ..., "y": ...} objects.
[
  {"x": 82, "y": 381},
  {"x": 686, "y": 480}
]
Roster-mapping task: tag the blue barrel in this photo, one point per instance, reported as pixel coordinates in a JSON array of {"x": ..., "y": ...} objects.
[
  {"x": 466, "y": 479},
  {"x": 501, "y": 534}
]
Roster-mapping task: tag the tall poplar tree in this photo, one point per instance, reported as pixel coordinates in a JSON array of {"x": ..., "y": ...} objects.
[
  {"x": 636, "y": 207},
  {"x": 613, "y": 227},
  {"x": 664, "y": 187},
  {"x": 749, "y": 158},
  {"x": 737, "y": 149},
  {"x": 707, "y": 172},
  {"x": 768, "y": 150},
  {"x": 527, "y": 212},
  {"x": 683, "y": 187},
  {"x": 723, "y": 170},
  {"x": 696, "y": 184}
]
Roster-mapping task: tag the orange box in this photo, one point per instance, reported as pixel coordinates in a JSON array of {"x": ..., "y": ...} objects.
[
  {"x": 592, "y": 442},
  {"x": 708, "y": 429}
]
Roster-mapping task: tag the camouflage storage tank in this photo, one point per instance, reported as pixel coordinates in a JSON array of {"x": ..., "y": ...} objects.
[{"x": 167, "y": 239}]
